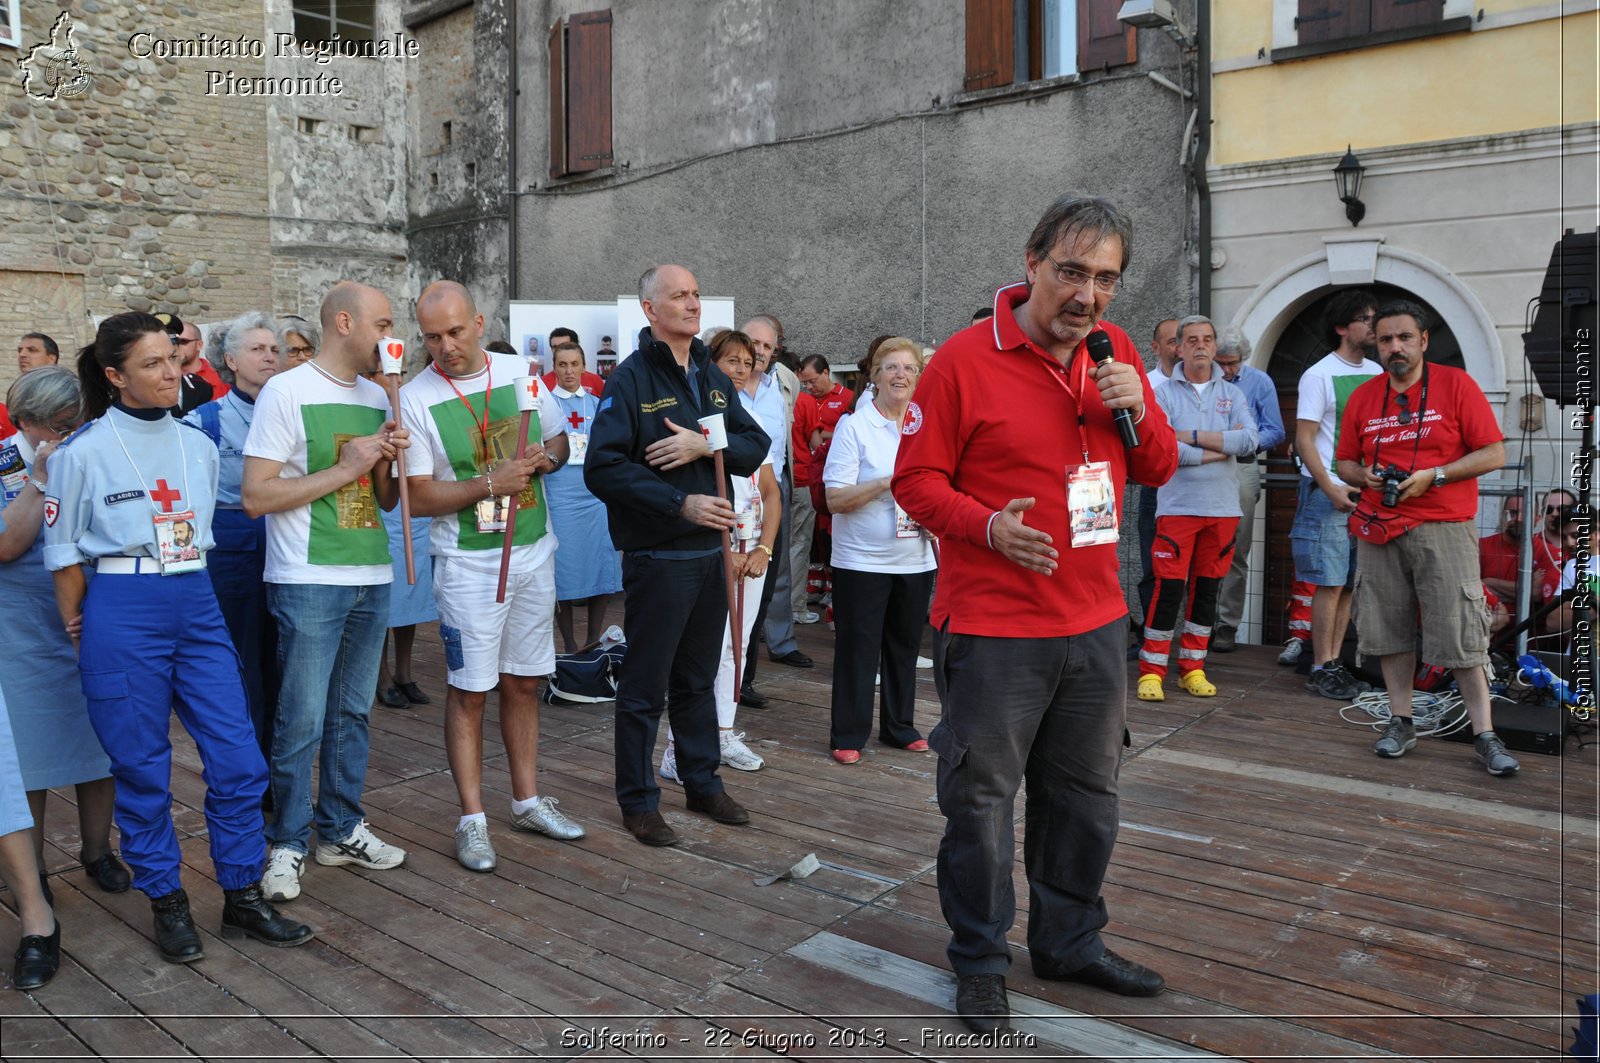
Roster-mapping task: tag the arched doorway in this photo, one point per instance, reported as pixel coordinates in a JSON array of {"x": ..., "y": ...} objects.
[{"x": 1284, "y": 319}]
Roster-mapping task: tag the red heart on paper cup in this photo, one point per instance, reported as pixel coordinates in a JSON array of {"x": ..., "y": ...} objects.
[{"x": 393, "y": 352}]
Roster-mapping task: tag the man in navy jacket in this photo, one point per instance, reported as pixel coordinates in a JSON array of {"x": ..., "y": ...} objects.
[{"x": 649, "y": 462}]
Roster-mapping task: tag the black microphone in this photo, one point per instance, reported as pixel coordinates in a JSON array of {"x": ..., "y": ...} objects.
[{"x": 1100, "y": 352}]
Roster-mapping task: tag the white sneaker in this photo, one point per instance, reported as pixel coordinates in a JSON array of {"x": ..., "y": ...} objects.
[
  {"x": 924, "y": 662},
  {"x": 362, "y": 848},
  {"x": 807, "y": 617},
  {"x": 1292, "y": 651},
  {"x": 669, "y": 765},
  {"x": 281, "y": 880},
  {"x": 737, "y": 755}
]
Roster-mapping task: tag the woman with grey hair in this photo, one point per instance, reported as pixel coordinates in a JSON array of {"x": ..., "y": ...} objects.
[
  {"x": 245, "y": 359},
  {"x": 298, "y": 340},
  {"x": 49, "y": 717}
]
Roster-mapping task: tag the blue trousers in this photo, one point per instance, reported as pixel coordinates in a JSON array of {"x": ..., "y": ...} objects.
[
  {"x": 1051, "y": 711},
  {"x": 675, "y": 612},
  {"x": 153, "y": 645}
]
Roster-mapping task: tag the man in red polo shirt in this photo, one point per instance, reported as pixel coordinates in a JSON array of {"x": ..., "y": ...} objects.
[{"x": 1022, "y": 489}]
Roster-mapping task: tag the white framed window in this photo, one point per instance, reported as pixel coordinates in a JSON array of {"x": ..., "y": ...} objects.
[{"x": 11, "y": 23}]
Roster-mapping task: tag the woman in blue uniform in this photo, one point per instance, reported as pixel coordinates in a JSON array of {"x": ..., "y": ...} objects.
[
  {"x": 56, "y": 745},
  {"x": 245, "y": 360},
  {"x": 152, "y": 639},
  {"x": 588, "y": 568}
]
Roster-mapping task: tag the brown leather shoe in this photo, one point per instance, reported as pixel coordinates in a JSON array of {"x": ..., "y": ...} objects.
[
  {"x": 650, "y": 828},
  {"x": 720, "y": 807}
]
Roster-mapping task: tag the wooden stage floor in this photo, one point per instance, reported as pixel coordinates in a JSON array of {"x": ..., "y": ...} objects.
[{"x": 1304, "y": 899}]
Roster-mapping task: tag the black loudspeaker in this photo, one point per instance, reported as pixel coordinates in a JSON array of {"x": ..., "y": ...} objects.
[{"x": 1563, "y": 329}]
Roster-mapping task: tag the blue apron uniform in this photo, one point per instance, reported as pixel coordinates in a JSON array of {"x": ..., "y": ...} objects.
[
  {"x": 586, "y": 562},
  {"x": 153, "y": 644},
  {"x": 238, "y": 561}
]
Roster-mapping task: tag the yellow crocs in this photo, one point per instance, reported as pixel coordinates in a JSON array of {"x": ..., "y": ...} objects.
[
  {"x": 1150, "y": 688},
  {"x": 1197, "y": 685}
]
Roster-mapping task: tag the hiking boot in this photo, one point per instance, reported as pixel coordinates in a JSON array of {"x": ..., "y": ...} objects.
[
  {"x": 1397, "y": 739},
  {"x": 246, "y": 913},
  {"x": 175, "y": 933}
]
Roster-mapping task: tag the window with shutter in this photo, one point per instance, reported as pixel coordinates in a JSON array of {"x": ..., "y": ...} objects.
[
  {"x": 1398, "y": 14},
  {"x": 991, "y": 33},
  {"x": 580, "y": 94},
  {"x": 1104, "y": 40},
  {"x": 1329, "y": 20}
]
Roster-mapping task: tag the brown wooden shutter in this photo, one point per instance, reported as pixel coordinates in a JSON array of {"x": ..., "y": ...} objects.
[
  {"x": 990, "y": 44},
  {"x": 1398, "y": 14},
  {"x": 1103, "y": 40},
  {"x": 1331, "y": 20},
  {"x": 558, "y": 100},
  {"x": 588, "y": 91}
]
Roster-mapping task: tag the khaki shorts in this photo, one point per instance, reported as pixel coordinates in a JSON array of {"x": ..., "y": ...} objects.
[{"x": 1434, "y": 568}]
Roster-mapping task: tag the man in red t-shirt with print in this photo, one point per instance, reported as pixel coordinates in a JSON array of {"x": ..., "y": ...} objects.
[
  {"x": 1022, "y": 486},
  {"x": 1429, "y": 432}
]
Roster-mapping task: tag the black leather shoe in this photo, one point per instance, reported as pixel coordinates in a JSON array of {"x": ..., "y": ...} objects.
[
  {"x": 720, "y": 807},
  {"x": 982, "y": 1003},
  {"x": 38, "y": 959},
  {"x": 392, "y": 697},
  {"x": 650, "y": 828},
  {"x": 107, "y": 872},
  {"x": 246, "y": 913},
  {"x": 795, "y": 659},
  {"x": 1113, "y": 973},
  {"x": 414, "y": 694},
  {"x": 751, "y": 698},
  {"x": 175, "y": 933}
]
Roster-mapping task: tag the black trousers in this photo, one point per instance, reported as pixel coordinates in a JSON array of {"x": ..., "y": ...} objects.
[
  {"x": 1147, "y": 543},
  {"x": 674, "y": 614},
  {"x": 878, "y": 619},
  {"x": 1053, "y": 711}
]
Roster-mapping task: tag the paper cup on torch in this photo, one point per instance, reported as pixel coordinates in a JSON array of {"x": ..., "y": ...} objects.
[
  {"x": 392, "y": 356},
  {"x": 715, "y": 429},
  {"x": 527, "y": 394}
]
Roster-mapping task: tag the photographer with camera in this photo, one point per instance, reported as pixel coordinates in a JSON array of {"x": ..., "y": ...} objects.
[{"x": 1415, "y": 440}]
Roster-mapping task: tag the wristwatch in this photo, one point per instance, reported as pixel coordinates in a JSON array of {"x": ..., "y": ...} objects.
[{"x": 1438, "y": 476}]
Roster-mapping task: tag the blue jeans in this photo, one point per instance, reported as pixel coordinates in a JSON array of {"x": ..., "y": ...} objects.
[{"x": 330, "y": 643}]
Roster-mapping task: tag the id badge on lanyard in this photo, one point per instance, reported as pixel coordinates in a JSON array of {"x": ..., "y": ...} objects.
[
  {"x": 904, "y": 526},
  {"x": 577, "y": 447},
  {"x": 176, "y": 549},
  {"x": 1092, "y": 504},
  {"x": 13, "y": 472}
]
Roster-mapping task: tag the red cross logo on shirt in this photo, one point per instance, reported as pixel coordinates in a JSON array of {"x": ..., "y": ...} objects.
[
  {"x": 575, "y": 419},
  {"x": 165, "y": 495}
]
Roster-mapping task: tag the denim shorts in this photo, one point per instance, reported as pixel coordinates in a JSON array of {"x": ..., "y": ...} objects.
[{"x": 1324, "y": 549}]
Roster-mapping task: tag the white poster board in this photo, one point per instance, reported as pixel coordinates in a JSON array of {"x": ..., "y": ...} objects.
[{"x": 533, "y": 320}]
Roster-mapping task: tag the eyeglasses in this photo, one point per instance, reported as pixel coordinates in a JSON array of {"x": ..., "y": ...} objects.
[
  {"x": 298, "y": 350},
  {"x": 1364, "y": 319},
  {"x": 65, "y": 428},
  {"x": 1073, "y": 277}
]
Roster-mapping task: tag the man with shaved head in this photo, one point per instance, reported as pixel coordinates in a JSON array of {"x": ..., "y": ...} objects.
[
  {"x": 318, "y": 463},
  {"x": 652, "y": 467},
  {"x": 463, "y": 471}
]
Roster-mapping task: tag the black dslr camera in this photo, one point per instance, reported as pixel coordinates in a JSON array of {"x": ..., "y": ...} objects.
[{"x": 1392, "y": 476}]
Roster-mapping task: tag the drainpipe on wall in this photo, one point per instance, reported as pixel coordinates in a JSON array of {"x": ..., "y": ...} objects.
[
  {"x": 1201, "y": 153},
  {"x": 511, "y": 151}
]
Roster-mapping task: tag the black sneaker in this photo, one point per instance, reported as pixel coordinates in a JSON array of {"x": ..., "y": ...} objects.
[
  {"x": 1493, "y": 753},
  {"x": 1334, "y": 683}
]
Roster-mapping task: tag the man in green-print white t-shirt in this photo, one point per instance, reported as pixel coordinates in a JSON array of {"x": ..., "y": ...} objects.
[
  {"x": 462, "y": 473},
  {"x": 1324, "y": 549},
  {"x": 319, "y": 463}
]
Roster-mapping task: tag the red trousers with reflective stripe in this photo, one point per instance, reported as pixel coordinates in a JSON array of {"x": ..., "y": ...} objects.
[
  {"x": 1192, "y": 551},
  {"x": 1300, "y": 610}
]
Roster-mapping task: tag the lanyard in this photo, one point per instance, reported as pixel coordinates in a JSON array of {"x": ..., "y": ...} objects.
[
  {"x": 183, "y": 458},
  {"x": 1422, "y": 409},
  {"x": 483, "y": 428},
  {"x": 1082, "y": 373}
]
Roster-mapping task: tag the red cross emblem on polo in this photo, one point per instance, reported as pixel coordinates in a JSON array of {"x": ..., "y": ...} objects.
[{"x": 165, "y": 496}]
